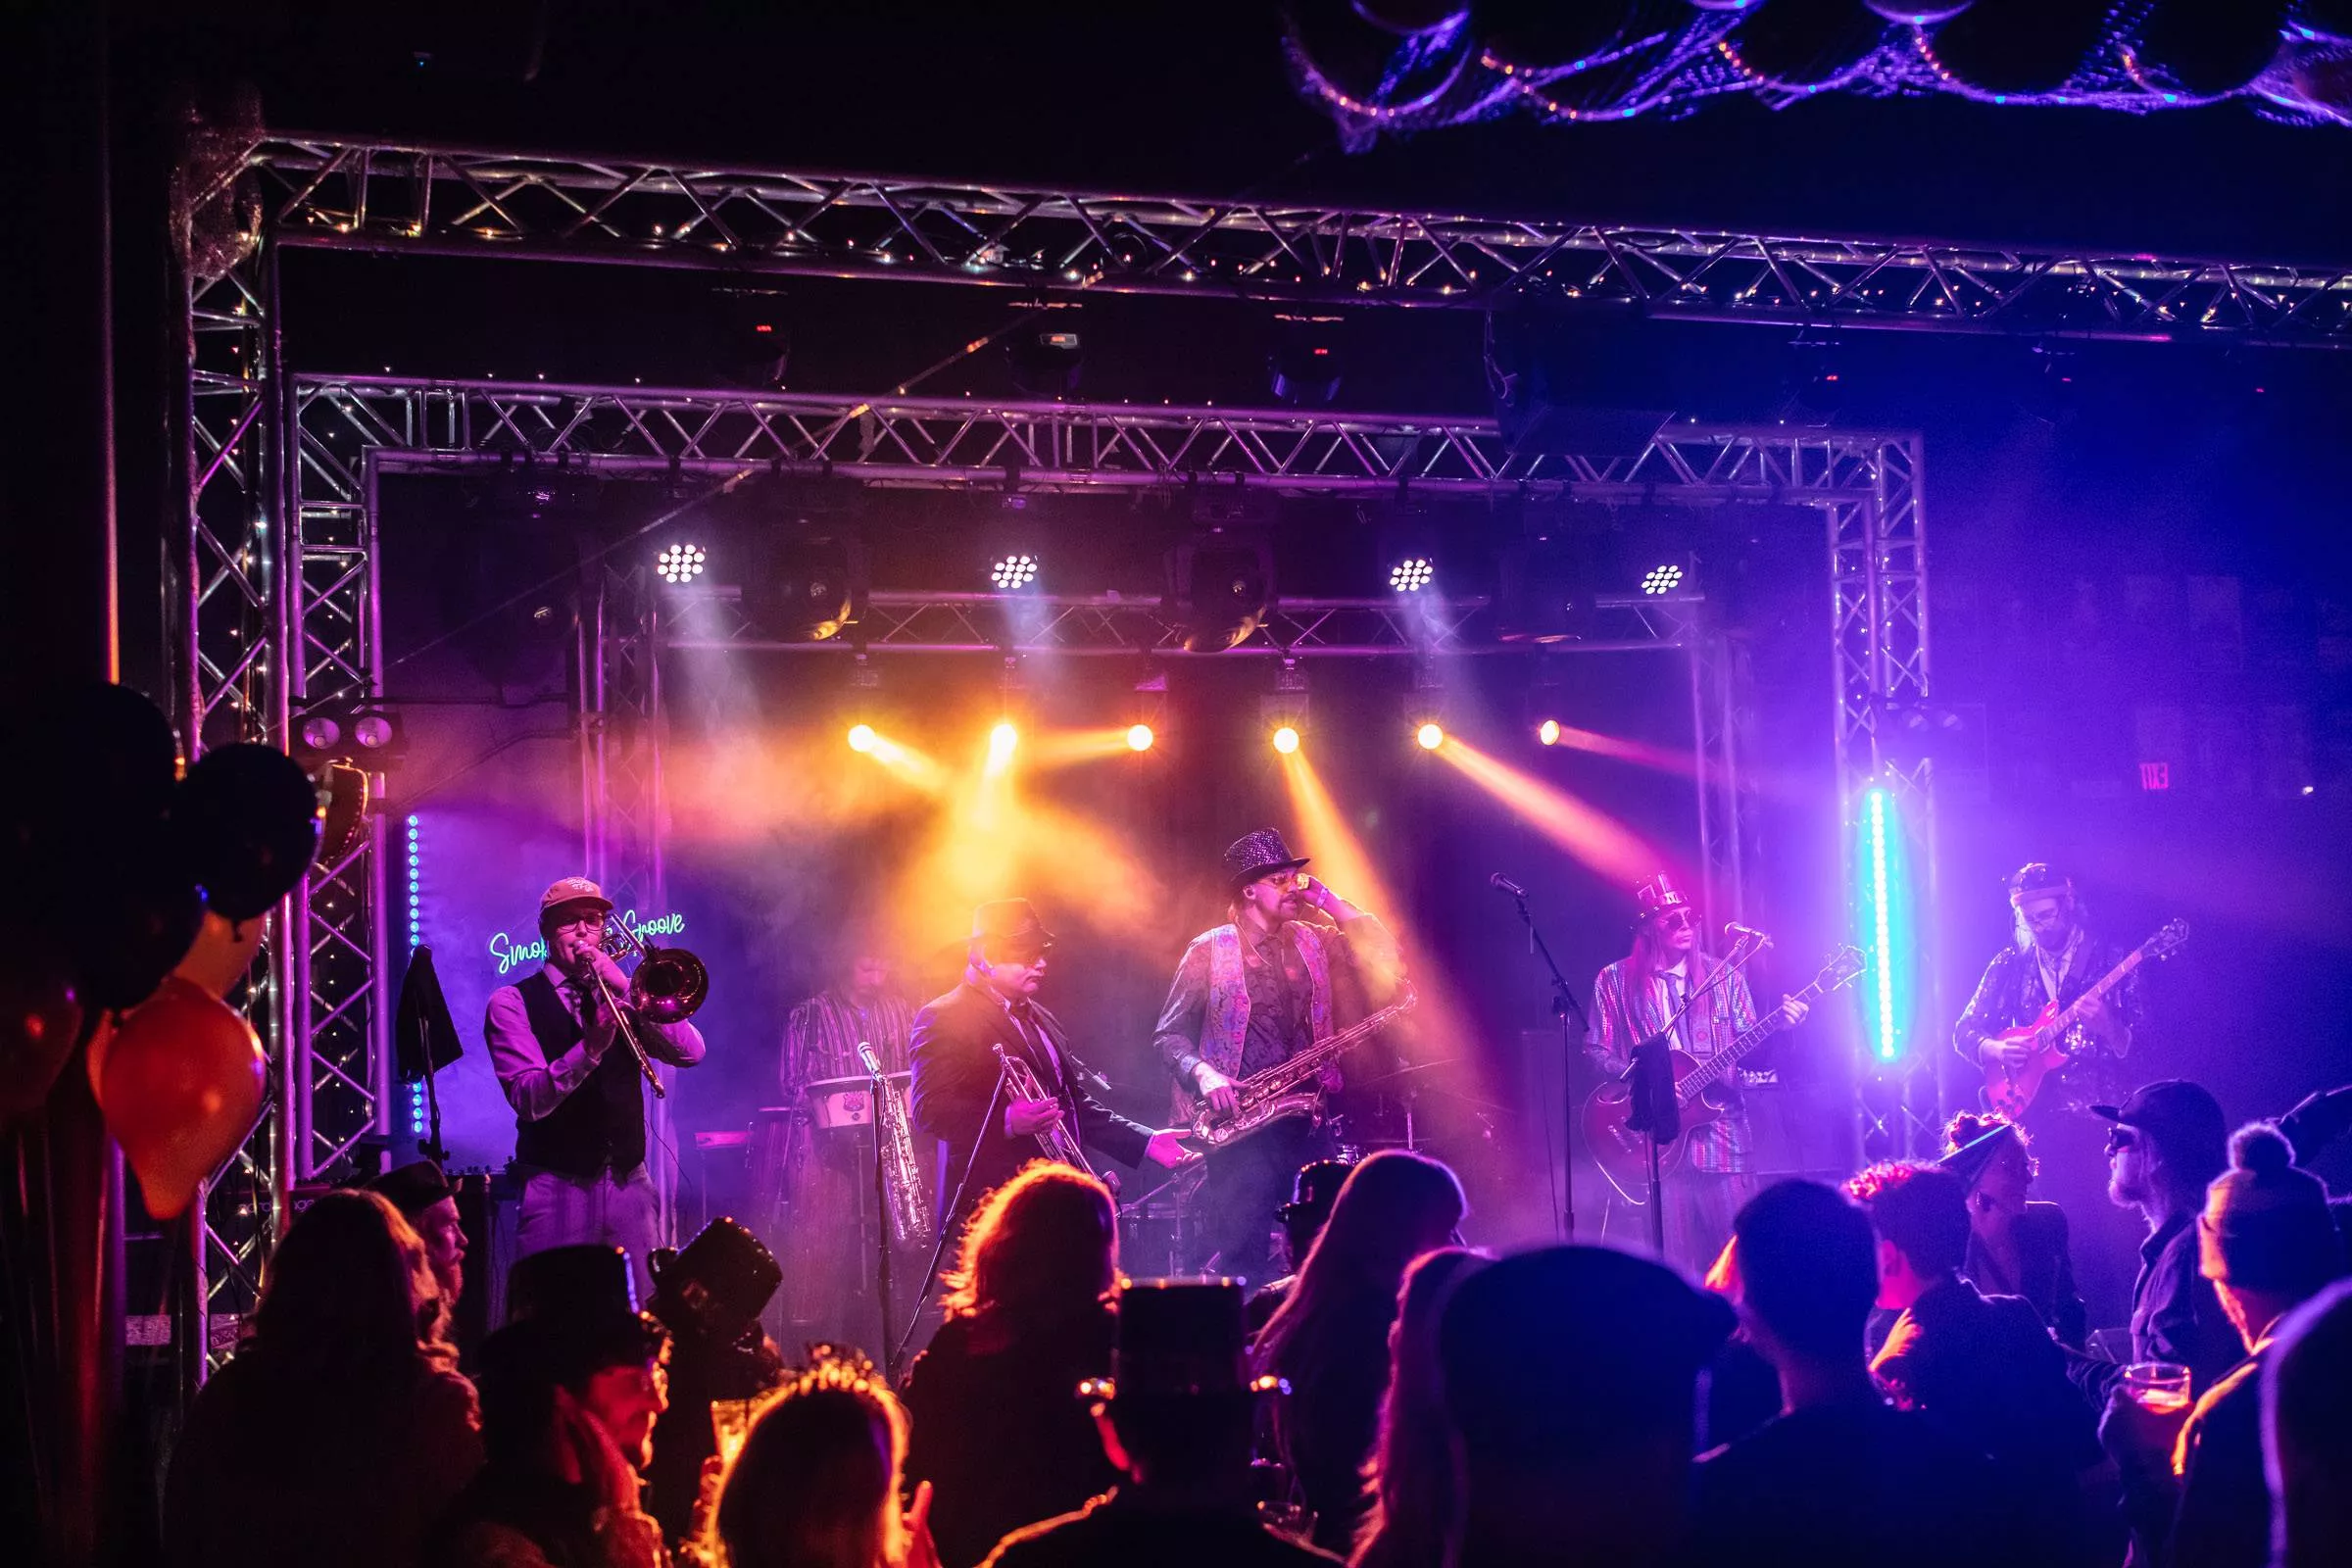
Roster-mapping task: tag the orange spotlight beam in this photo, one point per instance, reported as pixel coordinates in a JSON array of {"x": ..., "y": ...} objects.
[
  {"x": 1065, "y": 747},
  {"x": 1333, "y": 844},
  {"x": 1594, "y": 837}
]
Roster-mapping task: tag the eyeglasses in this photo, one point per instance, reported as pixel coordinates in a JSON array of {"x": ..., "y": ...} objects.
[{"x": 2120, "y": 1139}]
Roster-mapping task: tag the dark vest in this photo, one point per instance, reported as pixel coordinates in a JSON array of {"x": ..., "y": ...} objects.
[{"x": 601, "y": 1122}]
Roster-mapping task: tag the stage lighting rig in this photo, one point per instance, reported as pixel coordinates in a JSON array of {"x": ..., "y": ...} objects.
[
  {"x": 1425, "y": 708},
  {"x": 1012, "y": 571},
  {"x": 1429, "y": 736},
  {"x": 366, "y": 734},
  {"x": 680, "y": 563},
  {"x": 1149, "y": 712},
  {"x": 862, "y": 738},
  {"x": 1662, "y": 580},
  {"x": 1046, "y": 360},
  {"x": 1224, "y": 583},
  {"x": 1140, "y": 737},
  {"x": 1548, "y": 733},
  {"x": 1307, "y": 360},
  {"x": 1412, "y": 573},
  {"x": 1283, "y": 710}
]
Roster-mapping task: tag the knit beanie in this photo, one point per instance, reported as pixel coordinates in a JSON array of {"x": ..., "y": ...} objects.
[{"x": 2267, "y": 1225}]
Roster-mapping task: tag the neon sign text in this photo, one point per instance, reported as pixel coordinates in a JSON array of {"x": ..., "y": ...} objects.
[{"x": 511, "y": 953}]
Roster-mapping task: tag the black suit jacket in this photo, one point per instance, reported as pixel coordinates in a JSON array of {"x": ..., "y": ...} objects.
[{"x": 955, "y": 1076}]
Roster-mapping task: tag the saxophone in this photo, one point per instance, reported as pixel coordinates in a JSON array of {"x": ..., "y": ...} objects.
[
  {"x": 903, "y": 1177},
  {"x": 1285, "y": 1089}
]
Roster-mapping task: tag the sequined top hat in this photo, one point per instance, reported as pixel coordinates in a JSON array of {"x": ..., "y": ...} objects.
[
  {"x": 1255, "y": 854},
  {"x": 2039, "y": 879},
  {"x": 1656, "y": 896},
  {"x": 1179, "y": 1339},
  {"x": 718, "y": 1282}
]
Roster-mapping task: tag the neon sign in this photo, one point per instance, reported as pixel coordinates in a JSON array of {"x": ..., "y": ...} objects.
[{"x": 512, "y": 954}]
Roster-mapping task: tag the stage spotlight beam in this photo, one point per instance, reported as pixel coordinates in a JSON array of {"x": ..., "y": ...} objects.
[
  {"x": 1139, "y": 737},
  {"x": 1286, "y": 739},
  {"x": 1430, "y": 737}
]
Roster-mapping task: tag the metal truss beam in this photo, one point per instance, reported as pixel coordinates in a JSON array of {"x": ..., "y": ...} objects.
[
  {"x": 936, "y": 442},
  {"x": 1105, "y": 624},
  {"x": 352, "y": 194}
]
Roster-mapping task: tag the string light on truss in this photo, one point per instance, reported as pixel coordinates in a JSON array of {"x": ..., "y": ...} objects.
[
  {"x": 1018, "y": 570},
  {"x": 1662, "y": 579},
  {"x": 680, "y": 563},
  {"x": 1412, "y": 574}
]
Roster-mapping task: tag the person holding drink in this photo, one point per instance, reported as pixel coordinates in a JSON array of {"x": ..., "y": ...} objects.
[{"x": 2193, "y": 1479}]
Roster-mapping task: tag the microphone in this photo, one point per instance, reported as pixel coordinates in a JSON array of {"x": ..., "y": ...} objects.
[
  {"x": 1504, "y": 884},
  {"x": 1747, "y": 933}
]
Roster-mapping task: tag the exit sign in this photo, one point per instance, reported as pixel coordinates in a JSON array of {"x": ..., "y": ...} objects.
[{"x": 2155, "y": 775}]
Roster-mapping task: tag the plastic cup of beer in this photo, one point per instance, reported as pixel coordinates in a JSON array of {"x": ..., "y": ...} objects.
[
  {"x": 730, "y": 1424},
  {"x": 2159, "y": 1387}
]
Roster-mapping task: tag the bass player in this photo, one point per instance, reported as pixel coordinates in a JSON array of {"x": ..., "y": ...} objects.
[
  {"x": 1632, "y": 1000},
  {"x": 1294, "y": 965},
  {"x": 2052, "y": 956}
]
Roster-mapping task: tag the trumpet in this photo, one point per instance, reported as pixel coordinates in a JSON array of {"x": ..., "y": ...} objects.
[{"x": 669, "y": 984}]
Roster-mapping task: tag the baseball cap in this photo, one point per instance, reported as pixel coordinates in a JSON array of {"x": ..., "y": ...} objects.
[{"x": 572, "y": 890}]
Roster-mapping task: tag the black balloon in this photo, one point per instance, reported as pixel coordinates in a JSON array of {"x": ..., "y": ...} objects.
[
  {"x": 246, "y": 818},
  {"x": 95, "y": 756},
  {"x": 128, "y": 915}
]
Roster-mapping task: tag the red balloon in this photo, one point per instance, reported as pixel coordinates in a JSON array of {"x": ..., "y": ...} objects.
[
  {"x": 181, "y": 1088},
  {"x": 40, "y": 1018}
]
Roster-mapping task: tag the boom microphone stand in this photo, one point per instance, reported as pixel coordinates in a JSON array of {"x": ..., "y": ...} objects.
[
  {"x": 946, "y": 1217},
  {"x": 1574, "y": 1028}
]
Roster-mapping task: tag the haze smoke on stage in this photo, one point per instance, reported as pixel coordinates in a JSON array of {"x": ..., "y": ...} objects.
[{"x": 1592, "y": 837}]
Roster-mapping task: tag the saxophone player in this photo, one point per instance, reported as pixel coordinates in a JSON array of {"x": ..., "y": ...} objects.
[
  {"x": 1295, "y": 963},
  {"x": 956, "y": 1071}
]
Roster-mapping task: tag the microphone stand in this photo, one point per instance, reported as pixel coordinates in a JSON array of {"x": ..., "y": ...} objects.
[
  {"x": 946, "y": 1219},
  {"x": 1574, "y": 1027},
  {"x": 890, "y": 1351}
]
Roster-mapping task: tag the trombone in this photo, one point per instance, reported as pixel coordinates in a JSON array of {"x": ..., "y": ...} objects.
[{"x": 669, "y": 984}]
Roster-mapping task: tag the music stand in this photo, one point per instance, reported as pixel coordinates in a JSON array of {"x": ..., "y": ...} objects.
[
  {"x": 1654, "y": 1111},
  {"x": 424, "y": 1040}
]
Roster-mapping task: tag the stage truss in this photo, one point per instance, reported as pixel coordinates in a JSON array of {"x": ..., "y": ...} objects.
[
  {"x": 410, "y": 198},
  {"x": 276, "y": 609}
]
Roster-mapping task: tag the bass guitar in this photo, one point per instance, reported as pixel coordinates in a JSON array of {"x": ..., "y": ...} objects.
[
  {"x": 1623, "y": 1154},
  {"x": 2051, "y": 1040}
]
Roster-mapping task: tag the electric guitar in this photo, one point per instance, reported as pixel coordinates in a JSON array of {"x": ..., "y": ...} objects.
[
  {"x": 2010, "y": 1089},
  {"x": 1623, "y": 1154}
]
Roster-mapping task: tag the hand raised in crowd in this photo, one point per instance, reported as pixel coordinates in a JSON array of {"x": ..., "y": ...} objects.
[
  {"x": 1168, "y": 1149},
  {"x": 922, "y": 1553},
  {"x": 1216, "y": 1089},
  {"x": 1026, "y": 1118}
]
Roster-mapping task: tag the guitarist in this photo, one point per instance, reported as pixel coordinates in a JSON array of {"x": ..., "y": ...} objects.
[
  {"x": 1632, "y": 1000},
  {"x": 2053, "y": 957},
  {"x": 1295, "y": 965}
]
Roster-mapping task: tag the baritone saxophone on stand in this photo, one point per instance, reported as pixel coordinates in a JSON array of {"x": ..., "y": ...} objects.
[{"x": 909, "y": 1198}]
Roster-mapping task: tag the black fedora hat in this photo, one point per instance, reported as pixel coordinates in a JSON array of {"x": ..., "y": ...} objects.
[
  {"x": 1314, "y": 1190},
  {"x": 1257, "y": 854},
  {"x": 1009, "y": 925},
  {"x": 581, "y": 1303},
  {"x": 718, "y": 1282}
]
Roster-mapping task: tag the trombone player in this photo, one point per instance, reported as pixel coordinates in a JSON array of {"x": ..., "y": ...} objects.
[{"x": 579, "y": 1089}]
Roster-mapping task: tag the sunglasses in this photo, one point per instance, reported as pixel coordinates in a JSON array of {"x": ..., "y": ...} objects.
[
  {"x": 1674, "y": 920},
  {"x": 2120, "y": 1139}
]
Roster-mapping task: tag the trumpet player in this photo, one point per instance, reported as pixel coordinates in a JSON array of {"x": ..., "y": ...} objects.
[
  {"x": 955, "y": 1069},
  {"x": 577, "y": 1089},
  {"x": 1294, "y": 965}
]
